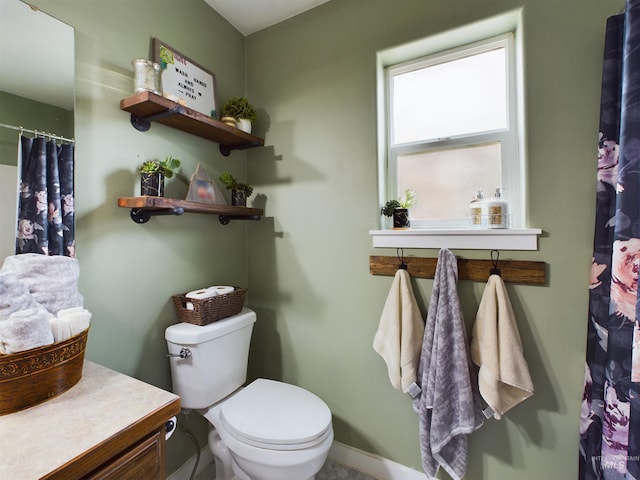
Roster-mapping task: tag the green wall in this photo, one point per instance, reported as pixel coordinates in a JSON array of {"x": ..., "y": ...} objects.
[
  {"x": 128, "y": 272},
  {"x": 306, "y": 264},
  {"x": 23, "y": 112},
  {"x": 314, "y": 77}
]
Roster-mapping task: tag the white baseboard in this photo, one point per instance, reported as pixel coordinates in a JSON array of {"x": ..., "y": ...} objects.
[
  {"x": 373, "y": 465},
  {"x": 184, "y": 472}
]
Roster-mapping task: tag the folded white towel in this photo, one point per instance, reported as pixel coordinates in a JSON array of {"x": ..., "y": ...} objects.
[
  {"x": 60, "y": 328},
  {"x": 52, "y": 281},
  {"x": 69, "y": 311},
  {"x": 69, "y": 323},
  {"x": 79, "y": 319},
  {"x": 399, "y": 336},
  {"x": 25, "y": 330},
  {"x": 504, "y": 378},
  {"x": 14, "y": 295}
]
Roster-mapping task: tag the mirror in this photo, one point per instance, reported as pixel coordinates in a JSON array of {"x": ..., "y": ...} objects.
[{"x": 36, "y": 92}]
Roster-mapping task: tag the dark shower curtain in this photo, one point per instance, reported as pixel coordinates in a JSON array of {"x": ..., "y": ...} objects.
[
  {"x": 46, "y": 222},
  {"x": 610, "y": 417}
]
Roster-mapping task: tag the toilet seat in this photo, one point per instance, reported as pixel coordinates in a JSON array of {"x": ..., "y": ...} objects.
[{"x": 276, "y": 416}]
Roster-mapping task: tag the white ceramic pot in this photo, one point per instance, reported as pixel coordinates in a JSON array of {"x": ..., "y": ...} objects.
[{"x": 244, "y": 125}]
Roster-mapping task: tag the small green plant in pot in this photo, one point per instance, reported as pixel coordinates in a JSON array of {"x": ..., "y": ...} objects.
[
  {"x": 399, "y": 209},
  {"x": 239, "y": 191},
  {"x": 153, "y": 173},
  {"x": 239, "y": 111}
]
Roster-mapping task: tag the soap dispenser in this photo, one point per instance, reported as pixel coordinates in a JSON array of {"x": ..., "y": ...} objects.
[
  {"x": 497, "y": 215},
  {"x": 476, "y": 210}
]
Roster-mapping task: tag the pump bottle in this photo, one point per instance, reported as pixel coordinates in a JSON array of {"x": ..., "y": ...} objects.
[
  {"x": 476, "y": 210},
  {"x": 496, "y": 207}
]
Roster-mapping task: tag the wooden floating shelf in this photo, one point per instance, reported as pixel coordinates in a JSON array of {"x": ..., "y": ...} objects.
[
  {"x": 143, "y": 208},
  {"x": 513, "y": 271},
  {"x": 147, "y": 107}
]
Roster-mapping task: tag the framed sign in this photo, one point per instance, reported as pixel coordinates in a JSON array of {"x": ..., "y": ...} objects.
[{"x": 184, "y": 81}]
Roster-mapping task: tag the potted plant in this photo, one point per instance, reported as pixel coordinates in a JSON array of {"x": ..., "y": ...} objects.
[
  {"x": 399, "y": 209},
  {"x": 239, "y": 111},
  {"x": 239, "y": 191},
  {"x": 153, "y": 173}
]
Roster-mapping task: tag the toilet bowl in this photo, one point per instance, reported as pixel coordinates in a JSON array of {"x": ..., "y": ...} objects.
[
  {"x": 273, "y": 431},
  {"x": 267, "y": 430}
]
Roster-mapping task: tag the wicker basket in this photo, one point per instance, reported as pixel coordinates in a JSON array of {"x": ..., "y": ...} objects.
[
  {"x": 34, "y": 376},
  {"x": 208, "y": 310}
]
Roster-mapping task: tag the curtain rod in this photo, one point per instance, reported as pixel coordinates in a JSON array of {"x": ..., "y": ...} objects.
[{"x": 37, "y": 132}]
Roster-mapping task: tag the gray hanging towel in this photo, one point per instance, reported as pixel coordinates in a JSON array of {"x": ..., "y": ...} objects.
[{"x": 448, "y": 405}]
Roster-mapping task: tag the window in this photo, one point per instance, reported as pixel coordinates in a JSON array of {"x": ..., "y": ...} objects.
[{"x": 450, "y": 127}]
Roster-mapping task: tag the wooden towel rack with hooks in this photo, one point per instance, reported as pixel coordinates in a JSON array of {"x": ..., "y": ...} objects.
[{"x": 524, "y": 272}]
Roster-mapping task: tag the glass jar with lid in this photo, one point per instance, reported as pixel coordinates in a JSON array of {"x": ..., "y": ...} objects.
[{"x": 146, "y": 76}]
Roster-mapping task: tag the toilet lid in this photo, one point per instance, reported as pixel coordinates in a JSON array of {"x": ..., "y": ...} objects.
[{"x": 267, "y": 412}]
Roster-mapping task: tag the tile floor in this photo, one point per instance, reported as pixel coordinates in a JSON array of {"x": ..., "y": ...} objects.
[
  {"x": 330, "y": 471},
  {"x": 335, "y": 471}
]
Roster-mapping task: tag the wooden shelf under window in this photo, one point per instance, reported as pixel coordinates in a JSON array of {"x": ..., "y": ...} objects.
[
  {"x": 143, "y": 208},
  {"x": 147, "y": 107}
]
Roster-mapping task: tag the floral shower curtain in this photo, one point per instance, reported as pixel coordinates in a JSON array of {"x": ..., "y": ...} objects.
[
  {"x": 610, "y": 419},
  {"x": 46, "y": 222}
]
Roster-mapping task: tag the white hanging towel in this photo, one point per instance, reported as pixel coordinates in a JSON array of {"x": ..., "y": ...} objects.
[
  {"x": 399, "y": 336},
  {"x": 504, "y": 378},
  {"x": 448, "y": 406}
]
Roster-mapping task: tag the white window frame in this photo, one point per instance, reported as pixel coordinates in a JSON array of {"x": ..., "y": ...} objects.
[{"x": 477, "y": 37}]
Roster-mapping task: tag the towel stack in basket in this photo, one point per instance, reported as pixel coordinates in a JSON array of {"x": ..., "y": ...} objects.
[
  {"x": 39, "y": 302},
  {"x": 207, "y": 305}
]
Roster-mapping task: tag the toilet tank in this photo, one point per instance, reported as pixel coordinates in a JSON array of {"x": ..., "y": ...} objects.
[{"x": 217, "y": 364}]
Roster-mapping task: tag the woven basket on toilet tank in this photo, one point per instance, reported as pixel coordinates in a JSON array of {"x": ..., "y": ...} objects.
[
  {"x": 208, "y": 310},
  {"x": 34, "y": 376}
]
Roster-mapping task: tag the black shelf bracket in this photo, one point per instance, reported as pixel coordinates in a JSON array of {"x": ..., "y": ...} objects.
[
  {"x": 225, "y": 219},
  {"x": 142, "y": 124},
  {"x": 143, "y": 215},
  {"x": 227, "y": 149}
]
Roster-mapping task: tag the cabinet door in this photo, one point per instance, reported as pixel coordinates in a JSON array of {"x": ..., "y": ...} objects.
[{"x": 144, "y": 461}]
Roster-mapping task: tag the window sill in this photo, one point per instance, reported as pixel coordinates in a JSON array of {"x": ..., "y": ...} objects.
[{"x": 500, "y": 239}]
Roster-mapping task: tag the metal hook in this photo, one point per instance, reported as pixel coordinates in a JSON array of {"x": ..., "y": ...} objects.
[
  {"x": 400, "y": 255},
  {"x": 495, "y": 270}
]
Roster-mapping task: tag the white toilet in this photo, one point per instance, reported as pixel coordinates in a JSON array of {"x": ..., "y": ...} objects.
[{"x": 267, "y": 430}]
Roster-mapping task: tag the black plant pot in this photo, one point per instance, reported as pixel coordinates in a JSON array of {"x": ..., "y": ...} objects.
[
  {"x": 152, "y": 184},
  {"x": 238, "y": 198},
  {"x": 401, "y": 218}
]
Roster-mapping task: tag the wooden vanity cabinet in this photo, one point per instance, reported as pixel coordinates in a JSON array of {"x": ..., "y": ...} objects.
[
  {"x": 109, "y": 426},
  {"x": 135, "y": 453},
  {"x": 143, "y": 461}
]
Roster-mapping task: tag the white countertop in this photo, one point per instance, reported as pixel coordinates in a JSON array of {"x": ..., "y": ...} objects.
[{"x": 40, "y": 439}]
